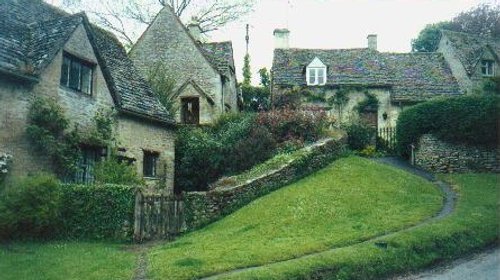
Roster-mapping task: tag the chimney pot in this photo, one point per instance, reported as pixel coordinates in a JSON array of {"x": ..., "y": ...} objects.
[
  {"x": 372, "y": 41},
  {"x": 281, "y": 38},
  {"x": 195, "y": 31}
]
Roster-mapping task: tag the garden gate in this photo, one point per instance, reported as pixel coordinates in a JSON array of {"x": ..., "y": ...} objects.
[
  {"x": 386, "y": 139},
  {"x": 158, "y": 216}
]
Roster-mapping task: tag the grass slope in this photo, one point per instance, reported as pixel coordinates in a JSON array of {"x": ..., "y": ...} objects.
[
  {"x": 353, "y": 199},
  {"x": 65, "y": 260},
  {"x": 472, "y": 226}
]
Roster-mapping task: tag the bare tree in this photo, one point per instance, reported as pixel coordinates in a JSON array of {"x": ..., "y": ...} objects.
[{"x": 126, "y": 17}]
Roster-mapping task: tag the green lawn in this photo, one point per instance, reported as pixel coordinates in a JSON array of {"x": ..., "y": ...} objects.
[
  {"x": 352, "y": 200},
  {"x": 473, "y": 225},
  {"x": 65, "y": 261}
]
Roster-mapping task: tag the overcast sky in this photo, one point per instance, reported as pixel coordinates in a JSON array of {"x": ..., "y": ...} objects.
[{"x": 331, "y": 24}]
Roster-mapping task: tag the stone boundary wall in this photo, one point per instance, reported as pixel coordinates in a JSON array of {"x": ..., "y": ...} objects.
[
  {"x": 202, "y": 208},
  {"x": 438, "y": 156}
]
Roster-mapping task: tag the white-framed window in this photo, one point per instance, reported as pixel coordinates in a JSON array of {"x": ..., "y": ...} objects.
[
  {"x": 316, "y": 73},
  {"x": 487, "y": 68}
]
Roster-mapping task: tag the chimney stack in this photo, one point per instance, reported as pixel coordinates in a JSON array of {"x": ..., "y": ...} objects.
[
  {"x": 281, "y": 38},
  {"x": 196, "y": 32},
  {"x": 372, "y": 42}
]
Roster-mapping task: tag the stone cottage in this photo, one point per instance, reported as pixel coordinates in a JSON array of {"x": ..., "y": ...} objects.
[
  {"x": 204, "y": 73},
  {"x": 396, "y": 80},
  {"x": 45, "y": 52},
  {"x": 472, "y": 58}
]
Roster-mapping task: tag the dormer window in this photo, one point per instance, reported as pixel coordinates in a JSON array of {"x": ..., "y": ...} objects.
[
  {"x": 487, "y": 68},
  {"x": 316, "y": 73},
  {"x": 77, "y": 74}
]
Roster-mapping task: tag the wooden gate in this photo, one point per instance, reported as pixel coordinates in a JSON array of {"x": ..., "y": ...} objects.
[{"x": 158, "y": 216}]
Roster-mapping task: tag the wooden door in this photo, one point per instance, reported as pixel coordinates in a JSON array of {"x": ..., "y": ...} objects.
[{"x": 190, "y": 110}]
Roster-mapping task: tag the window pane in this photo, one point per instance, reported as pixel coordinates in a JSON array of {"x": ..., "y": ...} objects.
[
  {"x": 490, "y": 68},
  {"x": 65, "y": 71},
  {"x": 74, "y": 75},
  {"x": 321, "y": 76},
  {"x": 149, "y": 164},
  {"x": 86, "y": 79},
  {"x": 312, "y": 76}
]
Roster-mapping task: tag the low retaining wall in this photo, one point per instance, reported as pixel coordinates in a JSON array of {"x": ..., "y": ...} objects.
[
  {"x": 202, "y": 208},
  {"x": 438, "y": 156}
]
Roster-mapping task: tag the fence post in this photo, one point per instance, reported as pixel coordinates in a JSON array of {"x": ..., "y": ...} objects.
[{"x": 138, "y": 216}]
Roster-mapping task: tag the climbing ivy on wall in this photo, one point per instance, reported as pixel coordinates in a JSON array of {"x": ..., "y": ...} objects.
[
  {"x": 49, "y": 131},
  {"x": 371, "y": 103}
]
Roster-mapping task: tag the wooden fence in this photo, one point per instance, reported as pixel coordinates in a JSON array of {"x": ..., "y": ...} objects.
[
  {"x": 386, "y": 139},
  {"x": 158, "y": 216}
]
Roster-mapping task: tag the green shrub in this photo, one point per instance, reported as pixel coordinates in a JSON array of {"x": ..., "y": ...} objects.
[
  {"x": 30, "y": 208},
  {"x": 469, "y": 119},
  {"x": 249, "y": 151},
  {"x": 255, "y": 99},
  {"x": 360, "y": 135},
  {"x": 112, "y": 171},
  {"x": 237, "y": 142},
  {"x": 97, "y": 211},
  {"x": 368, "y": 151},
  {"x": 287, "y": 124}
]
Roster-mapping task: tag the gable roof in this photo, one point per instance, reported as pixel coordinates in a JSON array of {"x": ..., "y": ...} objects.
[
  {"x": 168, "y": 9},
  {"x": 35, "y": 32},
  {"x": 197, "y": 88},
  {"x": 220, "y": 54},
  {"x": 409, "y": 75},
  {"x": 469, "y": 48}
]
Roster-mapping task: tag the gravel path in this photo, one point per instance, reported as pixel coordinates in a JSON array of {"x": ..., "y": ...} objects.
[
  {"x": 448, "y": 206},
  {"x": 483, "y": 266}
]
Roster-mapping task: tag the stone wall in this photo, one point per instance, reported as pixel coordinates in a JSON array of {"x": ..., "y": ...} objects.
[
  {"x": 438, "y": 156},
  {"x": 205, "y": 207},
  {"x": 137, "y": 136}
]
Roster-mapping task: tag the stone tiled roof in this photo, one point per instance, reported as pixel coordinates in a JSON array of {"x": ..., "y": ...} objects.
[
  {"x": 409, "y": 75},
  {"x": 220, "y": 54},
  {"x": 33, "y": 32},
  {"x": 469, "y": 48}
]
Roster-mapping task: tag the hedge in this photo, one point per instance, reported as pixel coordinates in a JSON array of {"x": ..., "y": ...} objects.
[
  {"x": 97, "y": 212},
  {"x": 40, "y": 207},
  {"x": 467, "y": 119}
]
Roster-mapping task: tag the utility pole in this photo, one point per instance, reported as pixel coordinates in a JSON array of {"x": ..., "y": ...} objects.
[{"x": 247, "y": 37}]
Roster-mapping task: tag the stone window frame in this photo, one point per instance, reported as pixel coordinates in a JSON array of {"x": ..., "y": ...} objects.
[
  {"x": 487, "y": 67},
  {"x": 81, "y": 64},
  {"x": 315, "y": 71},
  {"x": 150, "y": 164}
]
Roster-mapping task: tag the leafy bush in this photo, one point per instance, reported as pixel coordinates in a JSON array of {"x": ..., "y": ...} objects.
[
  {"x": 249, "y": 151},
  {"x": 255, "y": 99},
  {"x": 368, "y": 151},
  {"x": 371, "y": 103},
  {"x": 205, "y": 154},
  {"x": 112, "y": 171},
  {"x": 97, "y": 211},
  {"x": 287, "y": 124},
  {"x": 237, "y": 142},
  {"x": 30, "y": 207},
  {"x": 5, "y": 160},
  {"x": 467, "y": 119},
  {"x": 359, "y": 135}
]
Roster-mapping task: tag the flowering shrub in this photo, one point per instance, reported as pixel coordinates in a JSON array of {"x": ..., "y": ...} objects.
[
  {"x": 287, "y": 124},
  {"x": 5, "y": 159}
]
